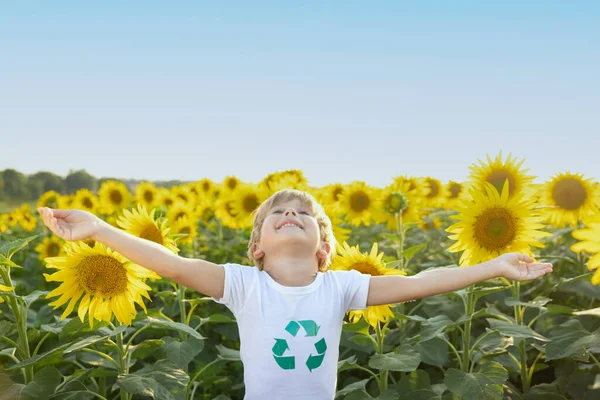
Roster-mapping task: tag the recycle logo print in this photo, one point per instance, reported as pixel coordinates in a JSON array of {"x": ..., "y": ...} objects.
[{"x": 281, "y": 346}]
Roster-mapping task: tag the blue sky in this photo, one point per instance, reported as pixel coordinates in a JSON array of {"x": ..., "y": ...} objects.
[{"x": 342, "y": 90}]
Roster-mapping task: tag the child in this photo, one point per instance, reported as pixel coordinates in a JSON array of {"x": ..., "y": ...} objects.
[{"x": 290, "y": 309}]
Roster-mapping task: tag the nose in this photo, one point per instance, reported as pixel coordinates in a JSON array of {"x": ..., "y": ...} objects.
[{"x": 290, "y": 211}]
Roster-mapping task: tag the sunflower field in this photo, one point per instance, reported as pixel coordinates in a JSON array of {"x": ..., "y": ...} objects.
[{"x": 80, "y": 321}]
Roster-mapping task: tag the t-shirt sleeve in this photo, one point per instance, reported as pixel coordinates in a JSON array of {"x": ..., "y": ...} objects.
[
  {"x": 239, "y": 281},
  {"x": 355, "y": 289}
]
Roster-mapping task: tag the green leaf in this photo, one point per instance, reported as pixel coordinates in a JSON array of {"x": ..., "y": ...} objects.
[
  {"x": 538, "y": 302},
  {"x": 580, "y": 285},
  {"x": 479, "y": 292},
  {"x": 405, "y": 359},
  {"x": 10, "y": 248},
  {"x": 44, "y": 383},
  {"x": 433, "y": 352},
  {"x": 559, "y": 309},
  {"x": 5, "y": 327},
  {"x": 486, "y": 384},
  {"x": 416, "y": 380},
  {"x": 359, "y": 385},
  {"x": 412, "y": 250},
  {"x": 8, "y": 389},
  {"x": 492, "y": 344},
  {"x": 226, "y": 353},
  {"x": 433, "y": 327},
  {"x": 50, "y": 356},
  {"x": 424, "y": 394},
  {"x": 145, "y": 348},
  {"x": 514, "y": 330},
  {"x": 162, "y": 380},
  {"x": 7, "y": 262},
  {"x": 33, "y": 296},
  {"x": 388, "y": 395},
  {"x": 88, "y": 341},
  {"x": 570, "y": 339},
  {"x": 175, "y": 326},
  {"x": 181, "y": 353},
  {"x": 348, "y": 363}
]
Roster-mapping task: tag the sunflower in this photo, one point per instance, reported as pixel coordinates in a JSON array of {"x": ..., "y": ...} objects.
[
  {"x": 399, "y": 197},
  {"x": 435, "y": 193},
  {"x": 492, "y": 224},
  {"x": 589, "y": 241},
  {"x": 165, "y": 197},
  {"x": 230, "y": 183},
  {"x": 245, "y": 200},
  {"x": 571, "y": 197},
  {"x": 205, "y": 188},
  {"x": 359, "y": 203},
  {"x": 224, "y": 210},
  {"x": 414, "y": 184},
  {"x": 65, "y": 201},
  {"x": 179, "y": 209},
  {"x": 496, "y": 172},
  {"x": 146, "y": 194},
  {"x": 350, "y": 258},
  {"x": 289, "y": 179},
  {"x": 183, "y": 194},
  {"x": 114, "y": 196},
  {"x": 5, "y": 289},
  {"x": 25, "y": 218},
  {"x": 141, "y": 223},
  {"x": 329, "y": 197},
  {"x": 50, "y": 247},
  {"x": 185, "y": 226},
  {"x": 108, "y": 283},
  {"x": 49, "y": 199},
  {"x": 454, "y": 191},
  {"x": 85, "y": 200}
]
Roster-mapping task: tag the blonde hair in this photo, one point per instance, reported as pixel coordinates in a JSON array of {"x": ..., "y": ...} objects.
[{"x": 285, "y": 195}]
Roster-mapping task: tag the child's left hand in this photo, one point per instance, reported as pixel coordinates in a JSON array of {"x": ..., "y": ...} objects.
[{"x": 520, "y": 267}]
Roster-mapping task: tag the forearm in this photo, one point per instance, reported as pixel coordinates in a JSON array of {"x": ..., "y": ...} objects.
[
  {"x": 140, "y": 251},
  {"x": 396, "y": 289},
  {"x": 443, "y": 280}
]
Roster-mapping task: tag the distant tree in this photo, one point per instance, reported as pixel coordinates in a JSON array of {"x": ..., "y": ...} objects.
[
  {"x": 80, "y": 179},
  {"x": 44, "y": 181},
  {"x": 15, "y": 185}
]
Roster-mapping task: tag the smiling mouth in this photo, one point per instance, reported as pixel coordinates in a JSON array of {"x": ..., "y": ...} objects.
[{"x": 289, "y": 225}]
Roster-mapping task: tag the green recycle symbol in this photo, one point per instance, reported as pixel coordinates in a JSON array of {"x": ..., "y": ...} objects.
[{"x": 281, "y": 345}]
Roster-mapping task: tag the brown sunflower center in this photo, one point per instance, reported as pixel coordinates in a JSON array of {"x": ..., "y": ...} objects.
[
  {"x": 395, "y": 203},
  {"x": 206, "y": 186},
  {"x": 116, "y": 197},
  {"x": 337, "y": 191},
  {"x": 366, "y": 267},
  {"x": 434, "y": 188},
  {"x": 88, "y": 203},
  {"x": 455, "y": 190},
  {"x": 102, "y": 275},
  {"x": 185, "y": 229},
  {"x": 569, "y": 194},
  {"x": 148, "y": 196},
  {"x": 53, "y": 250},
  {"x": 495, "y": 228},
  {"x": 250, "y": 202},
  {"x": 359, "y": 201},
  {"x": 152, "y": 233},
  {"x": 232, "y": 183},
  {"x": 168, "y": 201},
  {"x": 180, "y": 214},
  {"x": 498, "y": 177}
]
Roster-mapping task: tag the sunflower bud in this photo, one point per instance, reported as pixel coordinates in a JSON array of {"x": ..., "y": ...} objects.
[{"x": 396, "y": 203}]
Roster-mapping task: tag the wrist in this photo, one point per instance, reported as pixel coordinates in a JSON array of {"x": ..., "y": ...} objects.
[
  {"x": 101, "y": 228},
  {"x": 496, "y": 268}
]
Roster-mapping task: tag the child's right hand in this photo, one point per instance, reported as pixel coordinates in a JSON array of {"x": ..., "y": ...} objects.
[{"x": 70, "y": 224}]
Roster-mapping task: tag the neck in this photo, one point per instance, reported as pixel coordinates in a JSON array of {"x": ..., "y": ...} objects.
[{"x": 291, "y": 271}]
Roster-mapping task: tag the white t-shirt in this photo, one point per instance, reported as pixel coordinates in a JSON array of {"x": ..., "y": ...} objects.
[{"x": 290, "y": 336}]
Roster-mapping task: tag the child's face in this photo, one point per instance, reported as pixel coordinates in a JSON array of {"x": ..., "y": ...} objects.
[{"x": 290, "y": 224}]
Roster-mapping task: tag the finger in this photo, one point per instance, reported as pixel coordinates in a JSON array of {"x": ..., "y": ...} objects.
[
  {"x": 537, "y": 266},
  {"x": 525, "y": 258}
]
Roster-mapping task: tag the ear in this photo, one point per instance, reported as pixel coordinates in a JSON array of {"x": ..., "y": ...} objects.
[
  {"x": 324, "y": 251},
  {"x": 257, "y": 252}
]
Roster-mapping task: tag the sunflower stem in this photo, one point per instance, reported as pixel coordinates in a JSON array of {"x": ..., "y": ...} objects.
[
  {"x": 21, "y": 319},
  {"x": 383, "y": 374},
  {"x": 469, "y": 310},
  {"x": 400, "y": 232},
  {"x": 525, "y": 378},
  {"x": 123, "y": 369}
]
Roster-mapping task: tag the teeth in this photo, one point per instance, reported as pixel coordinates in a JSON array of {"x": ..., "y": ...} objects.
[{"x": 289, "y": 225}]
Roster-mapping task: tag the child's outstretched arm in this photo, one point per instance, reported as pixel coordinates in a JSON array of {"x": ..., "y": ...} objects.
[
  {"x": 396, "y": 288},
  {"x": 200, "y": 275}
]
